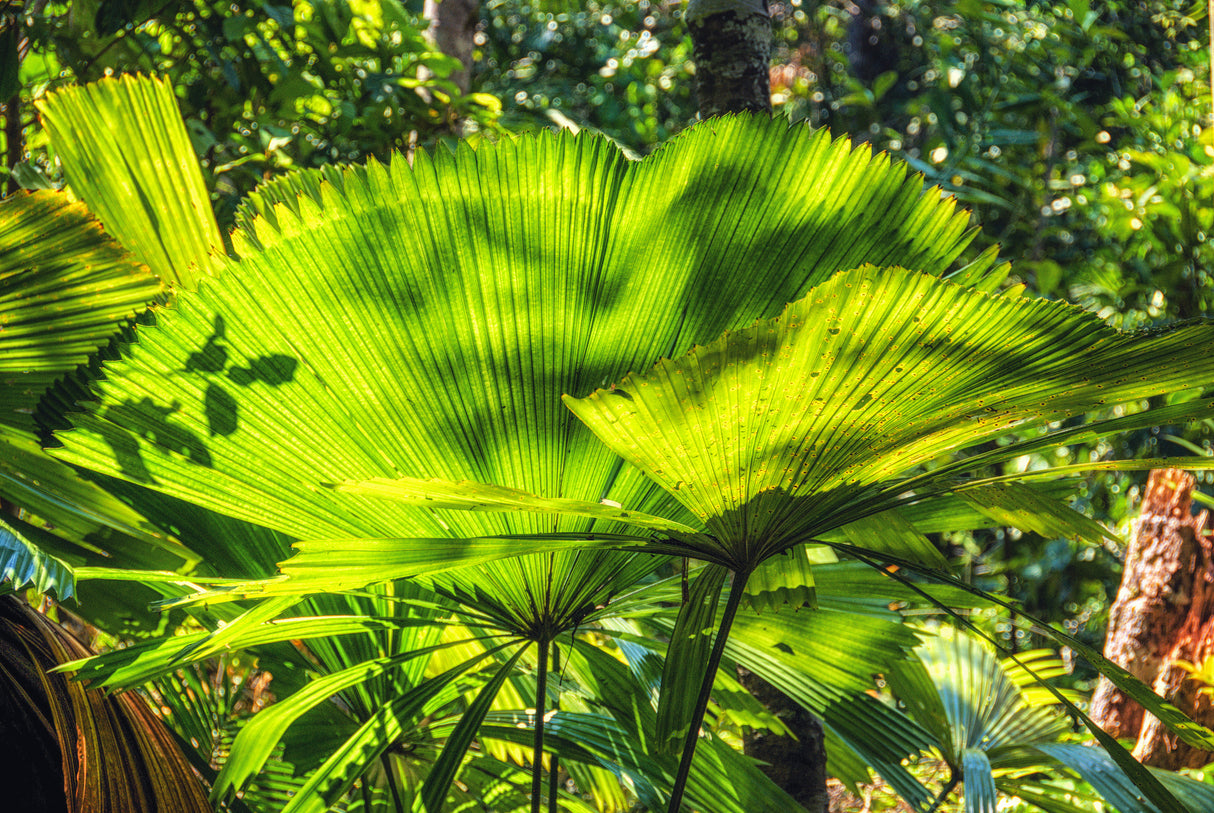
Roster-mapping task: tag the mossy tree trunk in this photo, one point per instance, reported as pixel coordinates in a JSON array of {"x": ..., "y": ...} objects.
[
  {"x": 453, "y": 31},
  {"x": 797, "y": 766},
  {"x": 731, "y": 47}
]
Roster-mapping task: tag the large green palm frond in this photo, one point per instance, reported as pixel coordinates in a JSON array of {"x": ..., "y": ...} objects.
[
  {"x": 893, "y": 390},
  {"x": 423, "y": 321},
  {"x": 781, "y": 432}
]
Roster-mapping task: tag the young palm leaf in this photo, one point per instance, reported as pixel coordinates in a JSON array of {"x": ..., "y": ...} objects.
[
  {"x": 960, "y": 692},
  {"x": 995, "y": 732}
]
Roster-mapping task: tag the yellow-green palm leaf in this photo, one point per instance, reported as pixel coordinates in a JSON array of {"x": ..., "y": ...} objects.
[
  {"x": 126, "y": 152},
  {"x": 781, "y": 432}
]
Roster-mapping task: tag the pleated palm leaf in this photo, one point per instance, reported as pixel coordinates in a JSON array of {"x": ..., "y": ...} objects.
[
  {"x": 962, "y": 694},
  {"x": 854, "y": 402},
  {"x": 858, "y": 399},
  {"x": 66, "y": 291},
  {"x": 997, "y": 738},
  {"x": 423, "y": 321}
]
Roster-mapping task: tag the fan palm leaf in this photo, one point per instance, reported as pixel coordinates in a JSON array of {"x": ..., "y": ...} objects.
[
  {"x": 419, "y": 322},
  {"x": 66, "y": 290},
  {"x": 422, "y": 321},
  {"x": 994, "y": 737},
  {"x": 153, "y": 201},
  {"x": 299, "y": 333}
]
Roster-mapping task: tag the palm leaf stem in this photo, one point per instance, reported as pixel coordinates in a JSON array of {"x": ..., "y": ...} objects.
[
  {"x": 390, "y": 774},
  {"x": 365, "y": 791},
  {"x": 554, "y": 768},
  {"x": 537, "y": 759},
  {"x": 736, "y": 591},
  {"x": 953, "y": 780}
]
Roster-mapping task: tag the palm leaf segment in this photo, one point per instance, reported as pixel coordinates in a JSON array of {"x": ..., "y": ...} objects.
[
  {"x": 998, "y": 735},
  {"x": 781, "y": 432},
  {"x": 66, "y": 289},
  {"x": 126, "y": 152},
  {"x": 422, "y": 322}
]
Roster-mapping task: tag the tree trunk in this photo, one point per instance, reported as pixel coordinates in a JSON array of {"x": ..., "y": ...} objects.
[
  {"x": 731, "y": 47},
  {"x": 871, "y": 48},
  {"x": 13, "y": 48},
  {"x": 452, "y": 30},
  {"x": 1164, "y": 612},
  {"x": 797, "y": 766}
]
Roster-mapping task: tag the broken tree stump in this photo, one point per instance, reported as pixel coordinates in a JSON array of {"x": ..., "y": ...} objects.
[{"x": 1164, "y": 613}]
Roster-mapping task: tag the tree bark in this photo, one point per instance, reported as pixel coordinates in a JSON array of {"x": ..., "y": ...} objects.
[
  {"x": 797, "y": 766},
  {"x": 731, "y": 47},
  {"x": 1164, "y": 612},
  {"x": 871, "y": 50},
  {"x": 453, "y": 30}
]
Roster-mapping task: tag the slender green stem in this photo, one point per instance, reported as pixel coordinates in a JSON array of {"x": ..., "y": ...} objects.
[
  {"x": 554, "y": 768},
  {"x": 537, "y": 758},
  {"x": 386, "y": 761},
  {"x": 697, "y": 714},
  {"x": 953, "y": 779},
  {"x": 365, "y": 789}
]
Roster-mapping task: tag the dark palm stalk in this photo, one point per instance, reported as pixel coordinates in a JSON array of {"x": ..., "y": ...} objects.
[
  {"x": 953, "y": 780},
  {"x": 386, "y": 762},
  {"x": 554, "y": 768},
  {"x": 697, "y": 714},
  {"x": 537, "y": 759}
]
